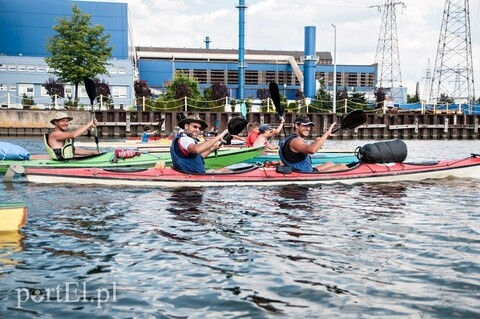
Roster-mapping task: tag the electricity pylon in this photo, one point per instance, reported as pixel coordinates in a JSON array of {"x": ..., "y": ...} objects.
[
  {"x": 453, "y": 73},
  {"x": 387, "y": 56}
]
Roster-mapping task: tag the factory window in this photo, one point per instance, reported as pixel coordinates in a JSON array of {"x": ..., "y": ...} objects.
[
  {"x": 21, "y": 68},
  {"x": 113, "y": 71},
  {"x": 43, "y": 91},
  {"x": 271, "y": 76},
  {"x": 31, "y": 68},
  {"x": 218, "y": 76},
  {"x": 3, "y": 87},
  {"x": 3, "y": 67},
  {"x": 251, "y": 77},
  {"x": 25, "y": 89},
  {"x": 232, "y": 77},
  {"x": 119, "y": 91},
  {"x": 40, "y": 68},
  {"x": 121, "y": 70},
  {"x": 12, "y": 87},
  {"x": 200, "y": 76},
  {"x": 12, "y": 67}
]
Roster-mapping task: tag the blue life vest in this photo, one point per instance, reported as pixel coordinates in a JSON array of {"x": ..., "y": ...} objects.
[
  {"x": 185, "y": 162},
  {"x": 297, "y": 161}
]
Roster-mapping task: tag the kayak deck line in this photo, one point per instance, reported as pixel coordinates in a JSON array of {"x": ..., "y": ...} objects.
[{"x": 262, "y": 176}]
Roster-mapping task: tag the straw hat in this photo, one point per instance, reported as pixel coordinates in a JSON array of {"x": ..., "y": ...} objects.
[
  {"x": 59, "y": 116},
  {"x": 193, "y": 119}
]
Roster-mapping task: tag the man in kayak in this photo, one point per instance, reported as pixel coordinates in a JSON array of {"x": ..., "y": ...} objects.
[
  {"x": 295, "y": 152},
  {"x": 187, "y": 151},
  {"x": 59, "y": 143},
  {"x": 265, "y": 133}
]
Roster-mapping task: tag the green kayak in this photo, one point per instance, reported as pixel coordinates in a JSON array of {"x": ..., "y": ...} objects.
[{"x": 143, "y": 160}]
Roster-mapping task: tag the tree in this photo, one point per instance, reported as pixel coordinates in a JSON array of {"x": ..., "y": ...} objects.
[
  {"x": 379, "y": 97},
  {"x": 103, "y": 93},
  {"x": 413, "y": 98},
  {"x": 141, "y": 89},
  {"x": 445, "y": 99},
  {"x": 359, "y": 99},
  {"x": 54, "y": 88},
  {"x": 182, "y": 86},
  {"x": 217, "y": 91},
  {"x": 78, "y": 50}
]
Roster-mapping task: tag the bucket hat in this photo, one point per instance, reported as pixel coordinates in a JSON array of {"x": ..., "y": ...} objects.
[
  {"x": 193, "y": 119},
  {"x": 59, "y": 116}
]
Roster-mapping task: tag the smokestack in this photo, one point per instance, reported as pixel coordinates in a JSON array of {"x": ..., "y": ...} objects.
[
  {"x": 207, "y": 42},
  {"x": 241, "y": 48},
  {"x": 309, "y": 62}
]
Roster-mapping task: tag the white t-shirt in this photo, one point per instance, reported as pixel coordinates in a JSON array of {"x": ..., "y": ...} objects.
[{"x": 185, "y": 141}]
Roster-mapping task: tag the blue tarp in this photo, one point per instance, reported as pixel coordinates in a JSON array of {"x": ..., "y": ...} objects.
[{"x": 9, "y": 151}]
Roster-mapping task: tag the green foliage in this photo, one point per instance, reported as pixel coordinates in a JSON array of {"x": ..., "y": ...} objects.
[
  {"x": 359, "y": 100},
  {"x": 182, "y": 86},
  {"x": 78, "y": 50},
  {"x": 54, "y": 87},
  {"x": 413, "y": 98},
  {"x": 27, "y": 101},
  {"x": 141, "y": 89},
  {"x": 103, "y": 94},
  {"x": 445, "y": 99},
  {"x": 70, "y": 102},
  {"x": 379, "y": 96}
]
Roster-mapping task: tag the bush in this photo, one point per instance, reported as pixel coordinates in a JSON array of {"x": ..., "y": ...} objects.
[{"x": 27, "y": 101}]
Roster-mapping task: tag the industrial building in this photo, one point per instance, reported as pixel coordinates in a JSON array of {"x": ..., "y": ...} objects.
[{"x": 27, "y": 24}]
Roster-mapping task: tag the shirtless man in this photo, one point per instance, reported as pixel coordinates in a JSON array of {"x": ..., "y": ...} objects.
[{"x": 59, "y": 143}]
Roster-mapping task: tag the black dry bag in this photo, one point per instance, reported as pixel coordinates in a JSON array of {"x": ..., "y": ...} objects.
[{"x": 393, "y": 151}]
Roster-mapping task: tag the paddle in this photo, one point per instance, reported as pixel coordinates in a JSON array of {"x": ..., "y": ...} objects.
[
  {"x": 275, "y": 95},
  {"x": 159, "y": 126},
  {"x": 180, "y": 116},
  {"x": 92, "y": 92},
  {"x": 236, "y": 125},
  {"x": 352, "y": 120}
]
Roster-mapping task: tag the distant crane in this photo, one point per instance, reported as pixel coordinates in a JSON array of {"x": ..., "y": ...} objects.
[
  {"x": 453, "y": 72},
  {"x": 387, "y": 56}
]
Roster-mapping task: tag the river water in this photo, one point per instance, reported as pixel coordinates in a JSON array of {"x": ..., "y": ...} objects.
[{"x": 399, "y": 250}]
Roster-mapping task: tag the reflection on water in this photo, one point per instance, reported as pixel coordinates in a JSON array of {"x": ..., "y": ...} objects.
[
  {"x": 406, "y": 250},
  {"x": 11, "y": 242}
]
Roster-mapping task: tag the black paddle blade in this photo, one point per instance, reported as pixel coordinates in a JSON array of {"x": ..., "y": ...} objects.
[
  {"x": 275, "y": 94},
  {"x": 236, "y": 125},
  {"x": 180, "y": 116},
  {"x": 352, "y": 120},
  {"x": 91, "y": 90}
]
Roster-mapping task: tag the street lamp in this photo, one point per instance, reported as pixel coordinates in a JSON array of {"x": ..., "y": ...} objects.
[{"x": 334, "y": 68}]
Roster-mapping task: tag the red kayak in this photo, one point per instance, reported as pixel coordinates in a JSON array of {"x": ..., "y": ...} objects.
[{"x": 253, "y": 175}]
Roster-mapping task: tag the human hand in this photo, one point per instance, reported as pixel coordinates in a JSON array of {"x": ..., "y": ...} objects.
[
  {"x": 330, "y": 129},
  {"x": 93, "y": 123},
  {"x": 282, "y": 119}
]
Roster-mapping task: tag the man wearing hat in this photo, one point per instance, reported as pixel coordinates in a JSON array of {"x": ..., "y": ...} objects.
[
  {"x": 265, "y": 133},
  {"x": 295, "y": 152},
  {"x": 186, "y": 151},
  {"x": 59, "y": 143}
]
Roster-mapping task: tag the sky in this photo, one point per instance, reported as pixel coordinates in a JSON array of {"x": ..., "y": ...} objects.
[{"x": 280, "y": 25}]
